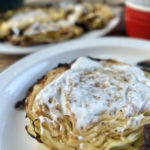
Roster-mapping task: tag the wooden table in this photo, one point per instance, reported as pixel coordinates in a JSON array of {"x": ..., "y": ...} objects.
[{"x": 7, "y": 60}]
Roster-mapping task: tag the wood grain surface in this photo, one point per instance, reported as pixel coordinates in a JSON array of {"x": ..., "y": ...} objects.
[{"x": 7, "y": 60}]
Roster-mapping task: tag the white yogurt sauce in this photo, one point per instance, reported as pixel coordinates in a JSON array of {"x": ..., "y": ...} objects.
[
  {"x": 78, "y": 10},
  {"x": 55, "y": 26},
  {"x": 24, "y": 18},
  {"x": 90, "y": 88}
]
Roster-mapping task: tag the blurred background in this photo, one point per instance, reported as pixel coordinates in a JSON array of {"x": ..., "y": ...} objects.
[
  {"x": 134, "y": 20},
  {"x": 8, "y": 4}
]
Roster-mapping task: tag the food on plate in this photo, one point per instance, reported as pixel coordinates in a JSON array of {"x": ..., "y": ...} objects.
[
  {"x": 91, "y": 104},
  {"x": 146, "y": 145},
  {"x": 20, "y": 19},
  {"x": 144, "y": 64},
  {"x": 96, "y": 16},
  {"x": 36, "y": 25},
  {"x": 45, "y": 33}
]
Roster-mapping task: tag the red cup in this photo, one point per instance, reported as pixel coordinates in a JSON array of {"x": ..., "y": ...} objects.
[{"x": 137, "y": 21}]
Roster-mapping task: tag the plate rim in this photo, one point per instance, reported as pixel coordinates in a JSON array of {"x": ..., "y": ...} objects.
[
  {"x": 107, "y": 41},
  {"x": 113, "y": 23},
  {"x": 66, "y": 47}
]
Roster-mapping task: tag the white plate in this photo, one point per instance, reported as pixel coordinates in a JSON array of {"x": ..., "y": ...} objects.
[
  {"x": 7, "y": 48},
  {"x": 16, "y": 80}
]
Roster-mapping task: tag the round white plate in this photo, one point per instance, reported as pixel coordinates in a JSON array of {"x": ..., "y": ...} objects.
[
  {"x": 16, "y": 80},
  {"x": 7, "y": 48}
]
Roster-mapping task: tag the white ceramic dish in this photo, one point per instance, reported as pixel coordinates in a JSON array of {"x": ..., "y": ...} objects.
[
  {"x": 16, "y": 80},
  {"x": 7, "y": 48}
]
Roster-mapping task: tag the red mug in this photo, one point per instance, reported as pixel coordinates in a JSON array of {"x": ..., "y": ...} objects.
[{"x": 137, "y": 20}]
